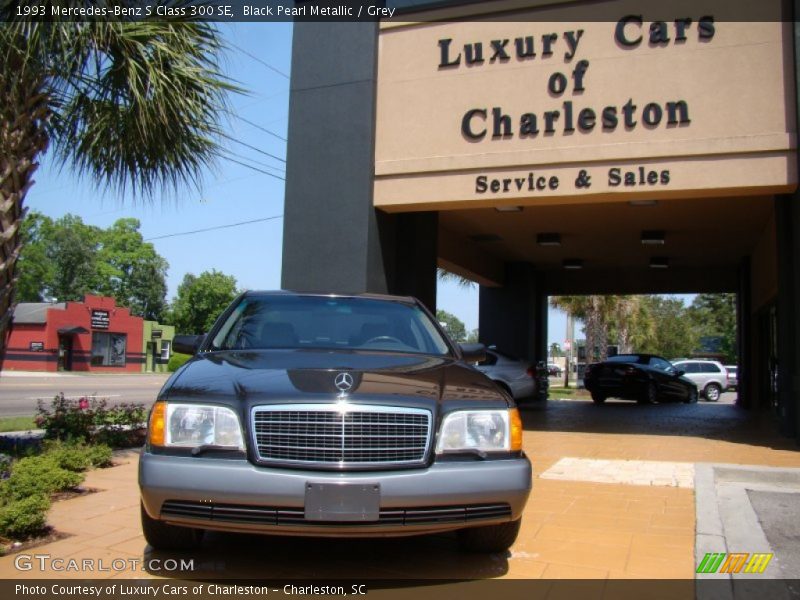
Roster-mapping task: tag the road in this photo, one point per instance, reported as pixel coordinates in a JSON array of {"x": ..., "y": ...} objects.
[{"x": 19, "y": 393}]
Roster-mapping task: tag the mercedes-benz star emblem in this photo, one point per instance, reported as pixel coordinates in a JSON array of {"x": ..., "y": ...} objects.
[{"x": 343, "y": 382}]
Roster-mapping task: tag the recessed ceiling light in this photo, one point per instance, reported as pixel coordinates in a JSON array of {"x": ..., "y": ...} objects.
[
  {"x": 508, "y": 208},
  {"x": 643, "y": 202},
  {"x": 659, "y": 262},
  {"x": 573, "y": 263},
  {"x": 653, "y": 237},
  {"x": 548, "y": 239}
]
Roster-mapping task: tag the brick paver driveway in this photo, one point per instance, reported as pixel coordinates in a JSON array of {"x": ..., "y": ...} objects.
[{"x": 573, "y": 528}]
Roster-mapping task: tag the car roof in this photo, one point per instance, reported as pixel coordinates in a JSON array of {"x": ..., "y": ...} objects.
[{"x": 370, "y": 296}]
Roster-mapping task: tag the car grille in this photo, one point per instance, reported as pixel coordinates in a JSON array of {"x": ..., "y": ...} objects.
[
  {"x": 341, "y": 436},
  {"x": 265, "y": 515}
]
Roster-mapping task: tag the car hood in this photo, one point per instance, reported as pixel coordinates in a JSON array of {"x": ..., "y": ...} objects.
[{"x": 247, "y": 378}]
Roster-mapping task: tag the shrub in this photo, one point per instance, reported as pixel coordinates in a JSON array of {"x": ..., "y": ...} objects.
[
  {"x": 68, "y": 419},
  {"x": 38, "y": 475},
  {"x": 78, "y": 457},
  {"x": 122, "y": 426},
  {"x": 176, "y": 361},
  {"x": 91, "y": 420},
  {"x": 99, "y": 455},
  {"x": 5, "y": 465},
  {"x": 25, "y": 517}
]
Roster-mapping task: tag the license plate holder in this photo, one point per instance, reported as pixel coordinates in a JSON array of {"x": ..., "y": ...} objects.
[{"x": 345, "y": 502}]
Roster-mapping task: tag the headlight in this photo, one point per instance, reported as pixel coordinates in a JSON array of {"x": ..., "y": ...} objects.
[
  {"x": 191, "y": 425},
  {"x": 484, "y": 430}
]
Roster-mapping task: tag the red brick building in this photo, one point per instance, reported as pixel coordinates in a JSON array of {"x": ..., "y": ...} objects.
[{"x": 93, "y": 335}]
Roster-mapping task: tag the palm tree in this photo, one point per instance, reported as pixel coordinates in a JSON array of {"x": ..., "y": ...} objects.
[
  {"x": 596, "y": 312},
  {"x": 448, "y": 277},
  {"x": 133, "y": 106}
]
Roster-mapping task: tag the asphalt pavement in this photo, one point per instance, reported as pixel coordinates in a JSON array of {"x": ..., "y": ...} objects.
[{"x": 19, "y": 392}]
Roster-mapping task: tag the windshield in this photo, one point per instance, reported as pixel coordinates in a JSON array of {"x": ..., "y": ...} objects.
[{"x": 314, "y": 322}]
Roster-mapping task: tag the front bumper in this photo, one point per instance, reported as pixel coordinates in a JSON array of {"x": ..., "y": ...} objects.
[{"x": 235, "y": 495}]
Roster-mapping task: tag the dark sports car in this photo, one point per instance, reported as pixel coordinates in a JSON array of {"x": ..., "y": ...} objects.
[{"x": 642, "y": 377}]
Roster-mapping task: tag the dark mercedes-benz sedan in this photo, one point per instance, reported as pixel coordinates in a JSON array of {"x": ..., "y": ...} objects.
[
  {"x": 643, "y": 377},
  {"x": 325, "y": 415}
]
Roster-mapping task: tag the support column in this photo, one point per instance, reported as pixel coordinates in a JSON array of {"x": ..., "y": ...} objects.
[
  {"x": 787, "y": 221},
  {"x": 409, "y": 246},
  {"x": 514, "y": 317},
  {"x": 330, "y": 234},
  {"x": 745, "y": 384}
]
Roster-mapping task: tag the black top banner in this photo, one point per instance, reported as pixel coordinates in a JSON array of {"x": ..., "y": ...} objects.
[{"x": 224, "y": 11}]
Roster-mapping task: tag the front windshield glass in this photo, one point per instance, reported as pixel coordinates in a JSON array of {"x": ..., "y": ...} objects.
[{"x": 318, "y": 322}]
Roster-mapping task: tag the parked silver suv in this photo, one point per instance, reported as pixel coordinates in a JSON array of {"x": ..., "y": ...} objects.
[{"x": 710, "y": 376}]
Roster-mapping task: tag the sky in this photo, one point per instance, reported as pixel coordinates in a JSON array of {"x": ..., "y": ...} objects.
[{"x": 259, "y": 60}]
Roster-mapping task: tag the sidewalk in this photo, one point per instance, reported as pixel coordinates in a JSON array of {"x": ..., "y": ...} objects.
[{"x": 17, "y": 374}]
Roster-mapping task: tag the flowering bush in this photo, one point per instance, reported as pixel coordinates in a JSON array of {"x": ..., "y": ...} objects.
[{"x": 91, "y": 420}]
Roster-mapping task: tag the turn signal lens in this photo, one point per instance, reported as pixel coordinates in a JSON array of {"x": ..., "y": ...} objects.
[
  {"x": 157, "y": 429},
  {"x": 516, "y": 429}
]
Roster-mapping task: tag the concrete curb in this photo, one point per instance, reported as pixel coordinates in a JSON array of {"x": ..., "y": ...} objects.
[{"x": 727, "y": 522}]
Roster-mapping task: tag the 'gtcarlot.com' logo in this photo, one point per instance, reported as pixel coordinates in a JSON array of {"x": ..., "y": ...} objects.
[{"x": 45, "y": 562}]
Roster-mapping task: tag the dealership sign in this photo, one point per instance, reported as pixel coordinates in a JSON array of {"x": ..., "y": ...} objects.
[
  {"x": 538, "y": 109},
  {"x": 478, "y": 122}
]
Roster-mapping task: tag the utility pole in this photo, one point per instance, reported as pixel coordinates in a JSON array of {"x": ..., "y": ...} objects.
[{"x": 570, "y": 343}]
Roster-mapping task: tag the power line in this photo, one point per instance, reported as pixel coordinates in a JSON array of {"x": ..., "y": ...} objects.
[
  {"x": 169, "y": 235},
  {"x": 254, "y": 161},
  {"x": 259, "y": 150},
  {"x": 257, "y": 59},
  {"x": 238, "y": 162},
  {"x": 264, "y": 129}
]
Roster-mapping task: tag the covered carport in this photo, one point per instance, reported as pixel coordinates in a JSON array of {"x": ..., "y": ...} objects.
[{"x": 544, "y": 149}]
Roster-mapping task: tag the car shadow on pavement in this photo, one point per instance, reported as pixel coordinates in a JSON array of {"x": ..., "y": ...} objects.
[
  {"x": 249, "y": 556},
  {"x": 719, "y": 421}
]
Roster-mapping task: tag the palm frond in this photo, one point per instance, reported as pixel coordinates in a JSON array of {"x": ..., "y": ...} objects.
[{"x": 137, "y": 106}]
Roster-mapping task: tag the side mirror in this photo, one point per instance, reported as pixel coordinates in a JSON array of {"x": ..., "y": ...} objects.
[
  {"x": 187, "y": 344},
  {"x": 473, "y": 352},
  {"x": 679, "y": 373}
]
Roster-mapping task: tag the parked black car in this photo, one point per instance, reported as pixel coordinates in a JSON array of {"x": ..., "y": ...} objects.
[
  {"x": 323, "y": 415},
  {"x": 642, "y": 377}
]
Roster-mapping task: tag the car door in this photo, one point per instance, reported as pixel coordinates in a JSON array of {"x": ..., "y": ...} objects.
[
  {"x": 668, "y": 382},
  {"x": 691, "y": 370}
]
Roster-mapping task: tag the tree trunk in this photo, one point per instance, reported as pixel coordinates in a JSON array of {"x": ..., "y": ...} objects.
[{"x": 23, "y": 112}]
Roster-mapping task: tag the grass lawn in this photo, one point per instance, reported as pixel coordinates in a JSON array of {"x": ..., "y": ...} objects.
[{"x": 16, "y": 424}]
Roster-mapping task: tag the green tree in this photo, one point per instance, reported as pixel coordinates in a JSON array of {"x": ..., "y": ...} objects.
[
  {"x": 714, "y": 315},
  {"x": 65, "y": 259},
  {"x": 71, "y": 250},
  {"x": 453, "y": 325},
  {"x": 200, "y": 300},
  {"x": 665, "y": 328},
  {"x": 555, "y": 350},
  {"x": 33, "y": 266},
  {"x": 133, "y": 106},
  {"x": 130, "y": 270}
]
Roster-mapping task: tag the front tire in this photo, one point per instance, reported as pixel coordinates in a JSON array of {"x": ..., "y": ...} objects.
[
  {"x": 650, "y": 395},
  {"x": 490, "y": 538},
  {"x": 692, "y": 397},
  {"x": 169, "y": 537},
  {"x": 712, "y": 392},
  {"x": 598, "y": 398}
]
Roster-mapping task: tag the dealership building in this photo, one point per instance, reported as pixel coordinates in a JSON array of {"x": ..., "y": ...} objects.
[{"x": 541, "y": 148}]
